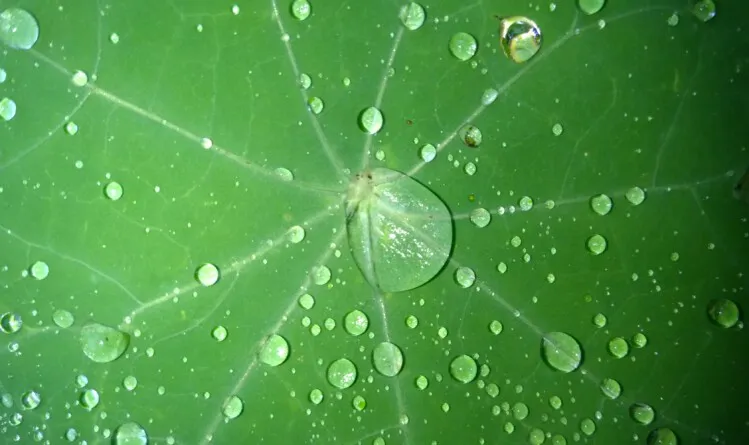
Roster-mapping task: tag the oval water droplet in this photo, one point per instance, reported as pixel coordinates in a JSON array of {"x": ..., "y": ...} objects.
[
  {"x": 63, "y": 318},
  {"x": 31, "y": 400},
  {"x": 412, "y": 16},
  {"x": 601, "y": 204},
  {"x": 103, "y": 344},
  {"x": 723, "y": 312},
  {"x": 130, "y": 433},
  {"x": 463, "y": 46},
  {"x": 233, "y": 407},
  {"x": 295, "y": 234},
  {"x": 642, "y": 413},
  {"x": 113, "y": 191},
  {"x": 7, "y": 108},
  {"x": 465, "y": 277},
  {"x": 590, "y": 7},
  {"x": 611, "y": 388},
  {"x": 561, "y": 351},
  {"x": 662, "y": 436},
  {"x": 356, "y": 322},
  {"x": 371, "y": 120},
  {"x": 495, "y": 327},
  {"x": 219, "y": 333},
  {"x": 704, "y": 10},
  {"x": 489, "y": 96},
  {"x": 428, "y": 152},
  {"x": 635, "y": 195},
  {"x": 480, "y": 217},
  {"x": 130, "y": 383},
  {"x": 387, "y": 359},
  {"x": 463, "y": 369},
  {"x": 284, "y": 174},
  {"x": 274, "y": 351},
  {"x": 207, "y": 274},
  {"x": 18, "y": 28},
  {"x": 342, "y": 373},
  {"x": 618, "y": 347},
  {"x": 10, "y": 322},
  {"x": 321, "y": 275},
  {"x": 470, "y": 135},
  {"x": 399, "y": 232},
  {"x": 596, "y": 244},
  {"x": 315, "y": 105},
  {"x": 307, "y": 301},
  {"x": 557, "y": 129},
  {"x": 316, "y": 396},
  {"x": 90, "y": 399},
  {"x": 305, "y": 81},
  {"x": 520, "y": 38},
  {"x": 39, "y": 270},
  {"x": 301, "y": 9}
]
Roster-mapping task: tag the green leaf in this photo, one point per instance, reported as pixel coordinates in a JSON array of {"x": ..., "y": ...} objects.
[{"x": 183, "y": 260}]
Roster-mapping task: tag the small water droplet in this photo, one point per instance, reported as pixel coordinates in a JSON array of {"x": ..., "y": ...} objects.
[
  {"x": 371, "y": 120},
  {"x": 470, "y": 135},
  {"x": 387, "y": 359},
  {"x": 316, "y": 396},
  {"x": 465, "y": 277},
  {"x": 80, "y": 78},
  {"x": 113, "y": 190},
  {"x": 103, "y": 344},
  {"x": 233, "y": 407},
  {"x": 90, "y": 399},
  {"x": 30, "y": 400},
  {"x": 284, "y": 174},
  {"x": 63, "y": 318},
  {"x": 635, "y": 195},
  {"x": 662, "y": 436},
  {"x": 412, "y": 322},
  {"x": 587, "y": 426},
  {"x": 71, "y": 128},
  {"x": 463, "y": 369},
  {"x": 639, "y": 340},
  {"x": 428, "y": 152},
  {"x": 219, "y": 333},
  {"x": 596, "y": 244},
  {"x": 307, "y": 301},
  {"x": 463, "y": 46},
  {"x": 557, "y": 129},
  {"x": 321, "y": 275},
  {"x": 601, "y": 204},
  {"x": 301, "y": 9},
  {"x": 590, "y": 7},
  {"x": 480, "y": 217},
  {"x": 207, "y": 274},
  {"x": 412, "y": 16},
  {"x": 673, "y": 19},
  {"x": 39, "y": 270},
  {"x": 642, "y": 413},
  {"x": 356, "y": 322},
  {"x": 599, "y": 320},
  {"x": 495, "y": 327},
  {"x": 618, "y": 347},
  {"x": 295, "y": 234},
  {"x": 341, "y": 373},
  {"x": 130, "y": 383},
  {"x": 315, "y": 104},
  {"x": 7, "y": 108},
  {"x": 525, "y": 203},
  {"x": 470, "y": 168},
  {"x": 723, "y": 312},
  {"x": 704, "y": 10}
]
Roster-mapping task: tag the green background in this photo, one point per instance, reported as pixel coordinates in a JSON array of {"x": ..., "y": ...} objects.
[{"x": 642, "y": 104}]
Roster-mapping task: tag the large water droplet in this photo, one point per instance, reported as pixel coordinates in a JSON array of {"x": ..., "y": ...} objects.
[
  {"x": 321, "y": 275},
  {"x": 301, "y": 9},
  {"x": 113, "y": 191},
  {"x": 295, "y": 234},
  {"x": 590, "y": 7},
  {"x": 463, "y": 369},
  {"x": 520, "y": 38},
  {"x": 463, "y": 46},
  {"x": 601, "y": 204},
  {"x": 412, "y": 16},
  {"x": 233, "y": 407},
  {"x": 356, "y": 322},
  {"x": 274, "y": 351},
  {"x": 103, "y": 344},
  {"x": 618, "y": 347},
  {"x": 596, "y": 244},
  {"x": 561, "y": 351},
  {"x": 7, "y": 108},
  {"x": 387, "y": 359},
  {"x": 428, "y": 152},
  {"x": 465, "y": 277},
  {"x": 10, "y": 322},
  {"x": 642, "y": 413},
  {"x": 63, "y": 318},
  {"x": 704, "y": 10},
  {"x": 39, "y": 270},
  {"x": 342, "y": 373},
  {"x": 315, "y": 105},
  {"x": 470, "y": 135},
  {"x": 635, "y": 195},
  {"x": 90, "y": 399},
  {"x": 207, "y": 274},
  {"x": 371, "y": 120},
  {"x": 723, "y": 312},
  {"x": 611, "y": 388},
  {"x": 480, "y": 217},
  {"x": 18, "y": 28},
  {"x": 662, "y": 436},
  {"x": 130, "y": 433},
  {"x": 31, "y": 400}
]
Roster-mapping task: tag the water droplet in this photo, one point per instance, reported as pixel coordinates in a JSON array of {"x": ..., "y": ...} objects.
[
  {"x": 673, "y": 19},
  {"x": 284, "y": 174},
  {"x": 601, "y": 204},
  {"x": 90, "y": 399},
  {"x": 103, "y": 344},
  {"x": 71, "y": 128},
  {"x": 723, "y": 312},
  {"x": 307, "y": 301},
  {"x": 520, "y": 411},
  {"x": 428, "y": 152},
  {"x": 71, "y": 434},
  {"x": 387, "y": 359},
  {"x": 492, "y": 390},
  {"x": 525, "y": 203},
  {"x": 590, "y": 7},
  {"x": 502, "y": 267},
  {"x": 662, "y": 436},
  {"x": 412, "y": 16},
  {"x": 515, "y": 241},
  {"x": 380, "y": 155},
  {"x": 342, "y": 373},
  {"x": 412, "y": 322},
  {"x": 81, "y": 380},
  {"x": 463, "y": 369},
  {"x": 597, "y": 244},
  {"x": 206, "y": 143},
  {"x": 359, "y": 403},
  {"x": 305, "y": 81},
  {"x": 207, "y": 274},
  {"x": 130, "y": 433},
  {"x": 79, "y": 79},
  {"x": 442, "y": 332},
  {"x": 3, "y": 75},
  {"x": 618, "y": 347},
  {"x": 295, "y": 234},
  {"x": 219, "y": 333},
  {"x": 557, "y": 129},
  {"x": 274, "y": 351},
  {"x": 63, "y": 318},
  {"x": 561, "y": 351},
  {"x": 463, "y": 46},
  {"x": 130, "y": 383},
  {"x": 465, "y": 277},
  {"x": 114, "y": 38},
  {"x": 555, "y": 402},
  {"x": 588, "y": 427},
  {"x": 704, "y": 10},
  {"x": 371, "y": 120},
  {"x": 315, "y": 104},
  {"x": 233, "y": 407},
  {"x": 422, "y": 382},
  {"x": 639, "y": 340},
  {"x": 470, "y": 135},
  {"x": 18, "y": 28},
  {"x": 480, "y": 217},
  {"x": 635, "y": 195},
  {"x": 315, "y": 396},
  {"x": 520, "y": 38},
  {"x": 356, "y": 322},
  {"x": 470, "y": 168},
  {"x": 599, "y": 320},
  {"x": 39, "y": 270},
  {"x": 113, "y": 191},
  {"x": 301, "y": 9},
  {"x": 31, "y": 400},
  {"x": 321, "y": 275},
  {"x": 495, "y": 327},
  {"x": 642, "y": 413},
  {"x": 7, "y": 108},
  {"x": 536, "y": 437},
  {"x": 489, "y": 96},
  {"x": 383, "y": 209}
]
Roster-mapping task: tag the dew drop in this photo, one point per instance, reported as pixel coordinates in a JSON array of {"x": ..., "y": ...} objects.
[
  {"x": 274, "y": 351},
  {"x": 596, "y": 244},
  {"x": 557, "y": 129},
  {"x": 295, "y": 234},
  {"x": 662, "y": 436},
  {"x": 463, "y": 46},
  {"x": 673, "y": 19},
  {"x": 463, "y": 369},
  {"x": 465, "y": 277},
  {"x": 39, "y": 270},
  {"x": 63, "y": 318},
  {"x": 307, "y": 301},
  {"x": 113, "y": 191},
  {"x": 520, "y": 411},
  {"x": 704, "y": 10},
  {"x": 90, "y": 399},
  {"x": 525, "y": 203},
  {"x": 412, "y": 16},
  {"x": 480, "y": 217},
  {"x": 18, "y": 28},
  {"x": 80, "y": 78},
  {"x": 489, "y": 96},
  {"x": 315, "y": 105},
  {"x": 371, "y": 120},
  {"x": 284, "y": 174},
  {"x": 422, "y": 382},
  {"x": 520, "y": 38},
  {"x": 305, "y": 81},
  {"x": 642, "y": 413},
  {"x": 316, "y": 396},
  {"x": 599, "y": 320},
  {"x": 356, "y": 322},
  {"x": 428, "y": 152},
  {"x": 723, "y": 312},
  {"x": 233, "y": 407},
  {"x": 321, "y": 275},
  {"x": 30, "y": 400},
  {"x": 342, "y": 373},
  {"x": 103, "y": 344},
  {"x": 207, "y": 274},
  {"x": 7, "y": 108},
  {"x": 130, "y": 383},
  {"x": 412, "y": 322},
  {"x": 590, "y": 7},
  {"x": 495, "y": 327},
  {"x": 387, "y": 359},
  {"x": 561, "y": 351},
  {"x": 635, "y": 195},
  {"x": 639, "y": 340},
  {"x": 301, "y": 9},
  {"x": 618, "y": 347},
  {"x": 470, "y": 135},
  {"x": 219, "y": 333},
  {"x": 71, "y": 128},
  {"x": 130, "y": 433},
  {"x": 601, "y": 204},
  {"x": 587, "y": 426},
  {"x": 470, "y": 168}
]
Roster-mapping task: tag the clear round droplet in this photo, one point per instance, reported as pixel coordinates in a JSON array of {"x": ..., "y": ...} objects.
[
  {"x": 618, "y": 347},
  {"x": 305, "y": 81},
  {"x": 463, "y": 369},
  {"x": 463, "y": 46},
  {"x": 274, "y": 351},
  {"x": 422, "y": 382},
  {"x": 7, "y": 108},
  {"x": 723, "y": 312},
  {"x": 520, "y": 411},
  {"x": 103, "y": 344},
  {"x": 10, "y": 322},
  {"x": 557, "y": 129},
  {"x": 520, "y": 38},
  {"x": 356, "y": 322},
  {"x": 590, "y": 7},
  {"x": 611, "y": 388},
  {"x": 90, "y": 399},
  {"x": 480, "y": 217},
  {"x": 412, "y": 16},
  {"x": 465, "y": 277},
  {"x": 39, "y": 270},
  {"x": 561, "y": 351},
  {"x": 130, "y": 433},
  {"x": 428, "y": 152},
  {"x": 371, "y": 120},
  {"x": 113, "y": 191},
  {"x": 599, "y": 320},
  {"x": 315, "y": 105},
  {"x": 71, "y": 128},
  {"x": 31, "y": 400},
  {"x": 18, "y": 28},
  {"x": 387, "y": 359},
  {"x": 342, "y": 373},
  {"x": 321, "y": 275},
  {"x": 495, "y": 327},
  {"x": 207, "y": 274},
  {"x": 307, "y": 301},
  {"x": 63, "y": 318},
  {"x": 639, "y": 340},
  {"x": 219, "y": 333},
  {"x": 79, "y": 79},
  {"x": 635, "y": 195},
  {"x": 316, "y": 396},
  {"x": 596, "y": 244},
  {"x": 130, "y": 383},
  {"x": 601, "y": 204},
  {"x": 470, "y": 135},
  {"x": 295, "y": 234},
  {"x": 587, "y": 426},
  {"x": 662, "y": 436},
  {"x": 233, "y": 407},
  {"x": 489, "y": 96},
  {"x": 704, "y": 10},
  {"x": 284, "y": 174},
  {"x": 301, "y": 9},
  {"x": 525, "y": 203},
  {"x": 642, "y": 413}
]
